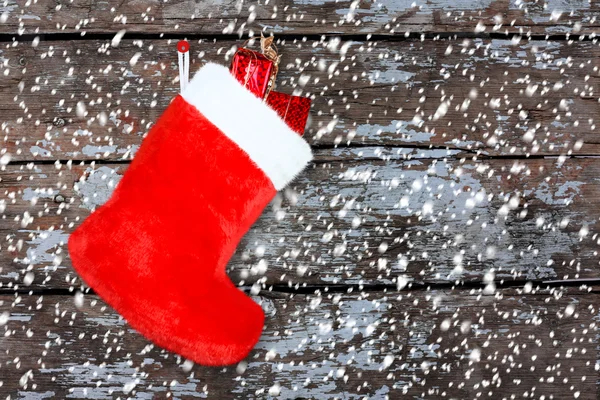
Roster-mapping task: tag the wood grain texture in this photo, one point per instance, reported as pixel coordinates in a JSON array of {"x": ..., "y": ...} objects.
[
  {"x": 362, "y": 216},
  {"x": 438, "y": 344},
  {"x": 440, "y": 159},
  {"x": 489, "y": 96},
  {"x": 386, "y": 17}
]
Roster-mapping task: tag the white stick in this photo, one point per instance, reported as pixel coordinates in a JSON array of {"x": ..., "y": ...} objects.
[
  {"x": 186, "y": 68},
  {"x": 181, "y": 72},
  {"x": 183, "y": 53}
]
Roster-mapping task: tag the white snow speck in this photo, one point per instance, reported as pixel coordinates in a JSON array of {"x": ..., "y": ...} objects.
[
  {"x": 301, "y": 270},
  {"x": 402, "y": 282},
  {"x": 25, "y": 378},
  {"x": 369, "y": 330},
  {"x": 489, "y": 289},
  {"x": 465, "y": 327},
  {"x": 404, "y": 202},
  {"x": 417, "y": 185},
  {"x": 275, "y": 390},
  {"x": 427, "y": 208},
  {"x": 5, "y": 159},
  {"x": 382, "y": 247},
  {"x": 489, "y": 276},
  {"x": 187, "y": 365},
  {"x": 529, "y": 135},
  {"x": 255, "y": 289},
  {"x": 531, "y": 89},
  {"x": 135, "y": 59},
  {"x": 387, "y": 361},
  {"x": 80, "y": 109},
  {"x": 270, "y": 355},
  {"x": 128, "y": 387},
  {"x": 241, "y": 367},
  {"x": 441, "y": 110},
  {"x": 26, "y": 220},
  {"x": 555, "y": 15},
  {"x": 102, "y": 118},
  {"x": 445, "y": 325},
  {"x": 569, "y": 310},
  {"x": 475, "y": 355},
  {"x": 339, "y": 250},
  {"x": 260, "y": 251},
  {"x": 117, "y": 38},
  {"x": 28, "y": 279},
  {"x": 78, "y": 299},
  {"x": 327, "y": 236}
]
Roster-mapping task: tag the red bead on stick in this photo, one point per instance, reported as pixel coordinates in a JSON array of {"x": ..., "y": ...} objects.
[{"x": 183, "y": 46}]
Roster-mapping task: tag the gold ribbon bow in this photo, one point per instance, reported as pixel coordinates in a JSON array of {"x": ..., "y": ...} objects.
[{"x": 269, "y": 50}]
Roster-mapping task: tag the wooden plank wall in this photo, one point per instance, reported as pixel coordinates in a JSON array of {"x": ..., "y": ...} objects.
[
  {"x": 442, "y": 245},
  {"x": 302, "y": 17}
]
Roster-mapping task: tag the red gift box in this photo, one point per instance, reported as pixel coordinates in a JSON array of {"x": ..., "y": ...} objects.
[
  {"x": 253, "y": 70},
  {"x": 292, "y": 109}
]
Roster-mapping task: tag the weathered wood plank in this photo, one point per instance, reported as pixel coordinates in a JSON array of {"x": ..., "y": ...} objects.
[
  {"x": 387, "y": 17},
  {"x": 398, "y": 214},
  {"x": 494, "y": 96},
  {"x": 417, "y": 344}
]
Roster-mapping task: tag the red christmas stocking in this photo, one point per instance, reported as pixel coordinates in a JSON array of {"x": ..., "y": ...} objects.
[{"x": 157, "y": 250}]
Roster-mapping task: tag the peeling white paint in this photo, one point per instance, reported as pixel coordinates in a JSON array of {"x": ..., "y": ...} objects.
[
  {"x": 318, "y": 335},
  {"x": 107, "y": 320},
  {"x": 97, "y": 188},
  {"x": 20, "y": 317},
  {"x": 39, "y": 151},
  {"x": 459, "y": 217},
  {"x": 113, "y": 377},
  {"x": 83, "y": 132},
  {"x": 563, "y": 194},
  {"x": 93, "y": 151},
  {"x": 391, "y": 75},
  {"x": 36, "y": 396},
  {"x": 187, "y": 8},
  {"x": 43, "y": 247},
  {"x": 398, "y": 127},
  {"x": 38, "y": 193}
]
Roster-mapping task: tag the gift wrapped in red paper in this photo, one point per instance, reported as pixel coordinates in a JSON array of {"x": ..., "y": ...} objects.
[
  {"x": 253, "y": 70},
  {"x": 292, "y": 109}
]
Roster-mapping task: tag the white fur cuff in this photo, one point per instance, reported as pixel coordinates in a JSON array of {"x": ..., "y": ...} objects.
[{"x": 277, "y": 150}]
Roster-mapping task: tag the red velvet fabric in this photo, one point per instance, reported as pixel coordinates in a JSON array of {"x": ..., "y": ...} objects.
[{"x": 157, "y": 250}]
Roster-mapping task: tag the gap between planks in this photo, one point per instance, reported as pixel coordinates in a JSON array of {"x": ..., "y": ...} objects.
[
  {"x": 73, "y": 36},
  {"x": 465, "y": 154},
  {"x": 368, "y": 288}
]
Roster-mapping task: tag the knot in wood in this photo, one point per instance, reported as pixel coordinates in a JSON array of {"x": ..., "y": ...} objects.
[{"x": 58, "y": 122}]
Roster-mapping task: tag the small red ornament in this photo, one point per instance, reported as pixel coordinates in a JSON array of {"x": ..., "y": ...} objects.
[
  {"x": 183, "y": 46},
  {"x": 292, "y": 109}
]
